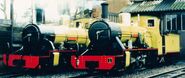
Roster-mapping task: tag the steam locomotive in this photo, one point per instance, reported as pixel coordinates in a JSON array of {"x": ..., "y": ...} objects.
[
  {"x": 47, "y": 46},
  {"x": 50, "y": 45},
  {"x": 104, "y": 46},
  {"x": 115, "y": 45}
]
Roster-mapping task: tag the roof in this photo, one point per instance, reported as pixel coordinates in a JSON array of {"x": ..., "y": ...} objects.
[{"x": 155, "y": 6}]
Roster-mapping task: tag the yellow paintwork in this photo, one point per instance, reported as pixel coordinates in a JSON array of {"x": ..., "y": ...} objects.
[
  {"x": 128, "y": 31},
  {"x": 149, "y": 35},
  {"x": 153, "y": 38},
  {"x": 172, "y": 43},
  {"x": 82, "y": 31},
  {"x": 127, "y": 60},
  {"x": 62, "y": 33},
  {"x": 80, "y": 35},
  {"x": 84, "y": 22},
  {"x": 56, "y": 58}
]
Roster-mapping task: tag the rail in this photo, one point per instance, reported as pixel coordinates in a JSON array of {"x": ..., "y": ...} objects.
[{"x": 170, "y": 74}]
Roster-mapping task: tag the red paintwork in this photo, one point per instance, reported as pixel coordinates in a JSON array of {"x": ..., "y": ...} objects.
[
  {"x": 102, "y": 60},
  {"x": 30, "y": 61},
  {"x": 72, "y": 38},
  {"x": 12, "y": 58}
]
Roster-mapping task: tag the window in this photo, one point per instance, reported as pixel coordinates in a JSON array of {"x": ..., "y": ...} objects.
[
  {"x": 151, "y": 23},
  {"x": 40, "y": 17},
  {"x": 179, "y": 25},
  {"x": 171, "y": 22},
  {"x": 174, "y": 22},
  {"x": 168, "y": 19},
  {"x": 183, "y": 22},
  {"x": 77, "y": 24}
]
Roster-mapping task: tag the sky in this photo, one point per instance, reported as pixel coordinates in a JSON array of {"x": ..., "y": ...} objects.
[{"x": 23, "y": 9}]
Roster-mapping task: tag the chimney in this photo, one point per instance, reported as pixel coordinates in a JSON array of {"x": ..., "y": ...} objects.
[{"x": 105, "y": 12}]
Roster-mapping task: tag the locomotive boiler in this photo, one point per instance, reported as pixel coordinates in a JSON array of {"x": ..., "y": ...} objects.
[
  {"x": 102, "y": 33},
  {"x": 57, "y": 37}
]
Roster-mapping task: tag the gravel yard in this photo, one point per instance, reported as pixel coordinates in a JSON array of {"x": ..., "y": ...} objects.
[{"x": 82, "y": 74}]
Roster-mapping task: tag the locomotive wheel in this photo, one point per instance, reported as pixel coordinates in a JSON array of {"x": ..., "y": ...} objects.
[
  {"x": 143, "y": 59},
  {"x": 137, "y": 60}
]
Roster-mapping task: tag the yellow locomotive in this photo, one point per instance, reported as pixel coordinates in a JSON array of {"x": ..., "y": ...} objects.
[{"x": 120, "y": 45}]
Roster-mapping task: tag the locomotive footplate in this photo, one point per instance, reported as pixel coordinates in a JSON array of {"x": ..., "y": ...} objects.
[
  {"x": 93, "y": 62},
  {"x": 14, "y": 60},
  {"x": 53, "y": 58}
]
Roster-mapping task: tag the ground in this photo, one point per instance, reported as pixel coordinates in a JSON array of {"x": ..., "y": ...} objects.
[{"x": 141, "y": 73}]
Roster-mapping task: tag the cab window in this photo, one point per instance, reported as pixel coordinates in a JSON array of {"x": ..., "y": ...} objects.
[{"x": 150, "y": 22}]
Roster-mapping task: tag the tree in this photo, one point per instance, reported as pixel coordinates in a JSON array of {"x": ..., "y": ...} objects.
[{"x": 3, "y": 8}]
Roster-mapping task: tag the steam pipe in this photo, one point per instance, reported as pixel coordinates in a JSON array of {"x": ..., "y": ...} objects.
[{"x": 120, "y": 43}]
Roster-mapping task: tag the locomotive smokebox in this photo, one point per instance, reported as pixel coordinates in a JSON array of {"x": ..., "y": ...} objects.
[
  {"x": 105, "y": 12},
  {"x": 31, "y": 35},
  {"x": 35, "y": 37},
  {"x": 102, "y": 33}
]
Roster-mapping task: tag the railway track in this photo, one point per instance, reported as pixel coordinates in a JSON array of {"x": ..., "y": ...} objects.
[
  {"x": 12, "y": 73},
  {"x": 100, "y": 74},
  {"x": 170, "y": 74},
  {"x": 9, "y": 75}
]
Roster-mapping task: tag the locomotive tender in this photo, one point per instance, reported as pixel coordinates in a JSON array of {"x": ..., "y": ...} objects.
[{"x": 115, "y": 45}]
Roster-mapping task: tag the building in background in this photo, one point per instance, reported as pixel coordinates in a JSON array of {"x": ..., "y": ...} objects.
[{"x": 116, "y": 5}]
